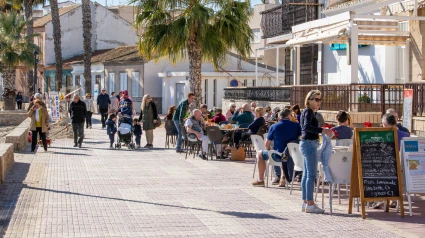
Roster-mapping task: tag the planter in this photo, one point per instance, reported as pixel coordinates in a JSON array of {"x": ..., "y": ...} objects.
[{"x": 9, "y": 104}]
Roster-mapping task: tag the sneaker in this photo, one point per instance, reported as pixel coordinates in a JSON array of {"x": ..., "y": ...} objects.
[
  {"x": 202, "y": 156},
  {"x": 257, "y": 183},
  {"x": 303, "y": 207},
  {"x": 378, "y": 205},
  {"x": 75, "y": 145},
  {"x": 276, "y": 181},
  {"x": 313, "y": 209}
]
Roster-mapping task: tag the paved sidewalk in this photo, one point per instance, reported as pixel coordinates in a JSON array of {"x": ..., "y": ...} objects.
[{"x": 97, "y": 192}]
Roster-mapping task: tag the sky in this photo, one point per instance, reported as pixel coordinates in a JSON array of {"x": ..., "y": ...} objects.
[{"x": 124, "y": 2}]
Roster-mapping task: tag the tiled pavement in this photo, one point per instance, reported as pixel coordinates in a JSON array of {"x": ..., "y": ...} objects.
[{"x": 97, "y": 192}]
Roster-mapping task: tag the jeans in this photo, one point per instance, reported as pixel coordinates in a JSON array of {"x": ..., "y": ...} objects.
[
  {"x": 19, "y": 105},
  {"x": 34, "y": 138},
  {"x": 179, "y": 137},
  {"x": 308, "y": 149},
  {"x": 88, "y": 119},
  {"x": 103, "y": 115},
  {"x": 78, "y": 129},
  {"x": 111, "y": 139},
  {"x": 138, "y": 137}
]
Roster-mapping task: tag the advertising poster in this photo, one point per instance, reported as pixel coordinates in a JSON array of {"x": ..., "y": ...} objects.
[
  {"x": 414, "y": 165},
  {"x": 54, "y": 106}
]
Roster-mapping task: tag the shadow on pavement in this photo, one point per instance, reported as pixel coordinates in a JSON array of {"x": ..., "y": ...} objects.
[
  {"x": 229, "y": 213},
  {"x": 65, "y": 153},
  {"x": 10, "y": 191}
]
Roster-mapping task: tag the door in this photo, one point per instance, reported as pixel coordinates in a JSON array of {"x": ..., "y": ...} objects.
[{"x": 179, "y": 93}]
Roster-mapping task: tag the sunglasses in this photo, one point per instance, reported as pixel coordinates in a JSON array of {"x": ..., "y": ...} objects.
[{"x": 317, "y": 99}]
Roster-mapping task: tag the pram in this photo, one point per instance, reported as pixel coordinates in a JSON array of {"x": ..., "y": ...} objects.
[{"x": 125, "y": 132}]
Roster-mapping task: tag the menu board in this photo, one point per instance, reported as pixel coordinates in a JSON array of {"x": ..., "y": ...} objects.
[
  {"x": 379, "y": 164},
  {"x": 375, "y": 170}
]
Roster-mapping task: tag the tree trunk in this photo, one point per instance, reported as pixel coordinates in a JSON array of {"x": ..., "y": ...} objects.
[
  {"x": 30, "y": 30},
  {"x": 87, "y": 27},
  {"x": 57, "y": 43},
  {"x": 195, "y": 70},
  {"x": 9, "y": 79}
]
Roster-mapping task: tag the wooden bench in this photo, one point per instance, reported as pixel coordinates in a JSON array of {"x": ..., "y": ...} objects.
[
  {"x": 6, "y": 159},
  {"x": 19, "y": 136}
]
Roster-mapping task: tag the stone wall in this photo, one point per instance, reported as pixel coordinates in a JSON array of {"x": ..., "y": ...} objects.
[
  {"x": 19, "y": 136},
  {"x": 12, "y": 118},
  {"x": 6, "y": 159},
  {"x": 239, "y": 103}
]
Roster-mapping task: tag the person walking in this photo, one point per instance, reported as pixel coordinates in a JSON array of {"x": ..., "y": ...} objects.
[
  {"x": 111, "y": 129},
  {"x": 310, "y": 131},
  {"x": 149, "y": 117},
  {"x": 103, "y": 103},
  {"x": 126, "y": 105},
  {"x": 19, "y": 100},
  {"x": 39, "y": 124},
  {"x": 113, "y": 107},
  {"x": 39, "y": 97},
  {"x": 178, "y": 117},
  {"x": 90, "y": 109},
  {"x": 78, "y": 113},
  {"x": 137, "y": 130}
]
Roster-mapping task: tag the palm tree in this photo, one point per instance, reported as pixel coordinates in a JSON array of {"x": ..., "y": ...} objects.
[
  {"x": 15, "y": 49},
  {"x": 202, "y": 30},
  {"x": 57, "y": 42},
  {"x": 87, "y": 44}
]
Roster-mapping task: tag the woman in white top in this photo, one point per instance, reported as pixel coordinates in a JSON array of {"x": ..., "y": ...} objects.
[{"x": 90, "y": 109}]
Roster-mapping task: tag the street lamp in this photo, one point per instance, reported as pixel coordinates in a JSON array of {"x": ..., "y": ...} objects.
[{"x": 35, "y": 70}]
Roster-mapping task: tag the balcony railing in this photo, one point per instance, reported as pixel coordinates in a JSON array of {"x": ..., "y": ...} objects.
[
  {"x": 349, "y": 97},
  {"x": 279, "y": 20}
]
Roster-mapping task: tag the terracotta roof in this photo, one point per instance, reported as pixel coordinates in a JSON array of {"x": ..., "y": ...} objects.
[
  {"x": 121, "y": 54},
  {"x": 47, "y": 18},
  {"x": 80, "y": 58}
]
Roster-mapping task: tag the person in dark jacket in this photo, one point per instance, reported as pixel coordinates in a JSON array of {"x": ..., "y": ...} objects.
[
  {"x": 178, "y": 117},
  {"x": 103, "y": 103},
  {"x": 19, "y": 100},
  {"x": 243, "y": 115},
  {"x": 78, "y": 114},
  {"x": 137, "y": 130},
  {"x": 149, "y": 117},
  {"x": 393, "y": 112},
  {"x": 258, "y": 122},
  {"x": 111, "y": 129}
]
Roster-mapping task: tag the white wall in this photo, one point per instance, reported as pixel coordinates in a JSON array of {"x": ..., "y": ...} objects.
[{"x": 377, "y": 64}]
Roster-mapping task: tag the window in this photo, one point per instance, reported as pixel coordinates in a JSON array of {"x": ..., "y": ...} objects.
[
  {"x": 111, "y": 82},
  {"x": 253, "y": 83},
  {"x": 215, "y": 92},
  {"x": 135, "y": 85},
  {"x": 256, "y": 36},
  {"x": 401, "y": 56},
  {"x": 98, "y": 80},
  {"x": 206, "y": 91},
  {"x": 77, "y": 82},
  {"x": 123, "y": 81},
  {"x": 245, "y": 82}
]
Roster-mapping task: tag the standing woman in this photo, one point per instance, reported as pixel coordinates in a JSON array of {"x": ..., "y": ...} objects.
[
  {"x": 39, "y": 123},
  {"x": 90, "y": 109},
  {"x": 19, "y": 100},
  {"x": 310, "y": 131},
  {"x": 149, "y": 117}
]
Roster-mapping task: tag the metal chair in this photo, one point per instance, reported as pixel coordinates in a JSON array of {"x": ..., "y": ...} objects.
[
  {"x": 171, "y": 133},
  {"x": 190, "y": 145},
  {"x": 216, "y": 138}
]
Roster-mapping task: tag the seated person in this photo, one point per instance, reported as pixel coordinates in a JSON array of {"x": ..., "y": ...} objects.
[
  {"x": 218, "y": 116},
  {"x": 258, "y": 122},
  {"x": 296, "y": 112},
  {"x": 275, "y": 115},
  {"x": 194, "y": 125},
  {"x": 268, "y": 114},
  {"x": 343, "y": 130},
  {"x": 281, "y": 134},
  {"x": 205, "y": 113},
  {"x": 230, "y": 112},
  {"x": 126, "y": 105},
  {"x": 393, "y": 112},
  {"x": 243, "y": 115}
]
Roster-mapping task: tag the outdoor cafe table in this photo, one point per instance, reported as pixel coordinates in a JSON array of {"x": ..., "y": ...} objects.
[
  {"x": 232, "y": 131},
  {"x": 340, "y": 148}
]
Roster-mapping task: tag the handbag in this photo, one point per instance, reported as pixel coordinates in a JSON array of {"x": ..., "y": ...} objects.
[
  {"x": 158, "y": 122},
  {"x": 237, "y": 154}
]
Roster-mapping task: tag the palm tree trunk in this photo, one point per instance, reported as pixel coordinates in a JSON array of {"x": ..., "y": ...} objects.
[
  {"x": 9, "y": 79},
  {"x": 87, "y": 27},
  {"x": 57, "y": 42},
  {"x": 30, "y": 30},
  {"x": 195, "y": 70}
]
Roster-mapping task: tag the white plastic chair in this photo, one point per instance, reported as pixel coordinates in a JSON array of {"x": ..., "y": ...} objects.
[
  {"x": 265, "y": 135},
  {"x": 344, "y": 142},
  {"x": 298, "y": 158},
  {"x": 340, "y": 169},
  {"x": 259, "y": 145}
]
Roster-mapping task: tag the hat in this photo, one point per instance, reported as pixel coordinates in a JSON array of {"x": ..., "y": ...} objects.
[
  {"x": 103, "y": 89},
  {"x": 125, "y": 92}
]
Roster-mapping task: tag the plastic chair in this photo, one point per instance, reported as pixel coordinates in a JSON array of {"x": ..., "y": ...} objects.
[
  {"x": 340, "y": 168},
  {"x": 216, "y": 138},
  {"x": 298, "y": 158},
  {"x": 344, "y": 142},
  {"x": 259, "y": 145},
  {"x": 247, "y": 143},
  {"x": 170, "y": 133}
]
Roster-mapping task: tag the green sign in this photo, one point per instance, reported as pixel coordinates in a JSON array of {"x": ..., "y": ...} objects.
[{"x": 376, "y": 136}]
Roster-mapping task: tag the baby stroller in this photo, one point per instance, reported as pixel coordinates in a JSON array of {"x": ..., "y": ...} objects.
[{"x": 125, "y": 132}]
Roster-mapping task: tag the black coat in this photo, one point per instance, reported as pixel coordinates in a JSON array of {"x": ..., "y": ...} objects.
[
  {"x": 103, "y": 101},
  {"x": 78, "y": 112}
]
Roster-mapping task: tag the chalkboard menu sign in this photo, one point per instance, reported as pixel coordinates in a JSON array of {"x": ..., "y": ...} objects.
[
  {"x": 379, "y": 164},
  {"x": 375, "y": 172}
]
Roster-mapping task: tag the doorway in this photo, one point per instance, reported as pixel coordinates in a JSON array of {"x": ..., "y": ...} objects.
[{"x": 179, "y": 93}]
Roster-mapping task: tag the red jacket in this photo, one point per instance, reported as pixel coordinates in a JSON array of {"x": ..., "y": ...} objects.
[{"x": 219, "y": 118}]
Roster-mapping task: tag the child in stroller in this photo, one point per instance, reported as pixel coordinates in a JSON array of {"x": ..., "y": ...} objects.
[{"x": 125, "y": 132}]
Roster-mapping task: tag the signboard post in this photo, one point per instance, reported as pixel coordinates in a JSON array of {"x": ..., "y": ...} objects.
[
  {"x": 413, "y": 158},
  {"x": 54, "y": 106},
  {"x": 408, "y": 108},
  {"x": 375, "y": 173}
]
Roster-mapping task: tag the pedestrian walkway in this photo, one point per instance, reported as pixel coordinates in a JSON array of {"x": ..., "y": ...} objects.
[{"x": 98, "y": 192}]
